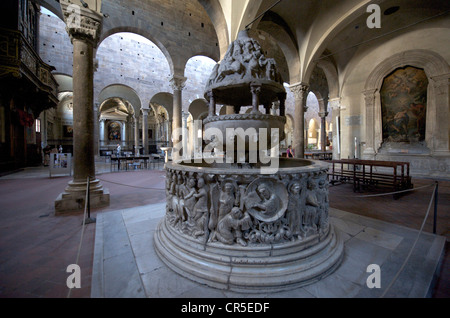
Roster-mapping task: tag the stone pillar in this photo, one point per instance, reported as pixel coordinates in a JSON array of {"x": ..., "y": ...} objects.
[
  {"x": 323, "y": 130},
  {"x": 101, "y": 131},
  {"x": 96, "y": 131},
  {"x": 185, "y": 134},
  {"x": 136, "y": 135},
  {"x": 123, "y": 134},
  {"x": 144, "y": 131},
  {"x": 275, "y": 151},
  {"x": 335, "y": 114},
  {"x": 369, "y": 97},
  {"x": 440, "y": 144},
  {"x": 300, "y": 92},
  {"x": 177, "y": 83},
  {"x": 212, "y": 104},
  {"x": 84, "y": 37},
  {"x": 282, "y": 100},
  {"x": 255, "y": 89}
]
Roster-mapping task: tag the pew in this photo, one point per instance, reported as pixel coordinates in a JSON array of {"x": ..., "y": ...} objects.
[{"x": 371, "y": 174}]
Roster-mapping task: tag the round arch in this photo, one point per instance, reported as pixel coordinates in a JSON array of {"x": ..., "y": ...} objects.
[
  {"x": 65, "y": 82},
  {"x": 121, "y": 91},
  {"x": 165, "y": 100},
  {"x": 144, "y": 33},
  {"x": 197, "y": 108},
  {"x": 438, "y": 71},
  {"x": 332, "y": 77}
]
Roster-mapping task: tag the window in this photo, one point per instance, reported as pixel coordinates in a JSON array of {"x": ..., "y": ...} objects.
[{"x": 38, "y": 125}]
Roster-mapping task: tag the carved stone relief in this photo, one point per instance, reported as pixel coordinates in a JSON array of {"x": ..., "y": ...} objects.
[{"x": 250, "y": 209}]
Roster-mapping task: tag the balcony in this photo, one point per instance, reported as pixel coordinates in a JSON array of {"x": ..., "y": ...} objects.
[{"x": 22, "y": 69}]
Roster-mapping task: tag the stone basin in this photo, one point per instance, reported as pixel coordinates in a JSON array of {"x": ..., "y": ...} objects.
[
  {"x": 246, "y": 127},
  {"x": 234, "y": 228}
]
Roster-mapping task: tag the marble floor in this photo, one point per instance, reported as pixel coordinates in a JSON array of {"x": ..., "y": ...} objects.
[
  {"x": 36, "y": 246},
  {"x": 126, "y": 266}
]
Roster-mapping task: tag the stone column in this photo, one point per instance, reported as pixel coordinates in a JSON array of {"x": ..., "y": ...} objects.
[
  {"x": 282, "y": 102},
  {"x": 123, "y": 134},
  {"x": 212, "y": 104},
  {"x": 101, "y": 131},
  {"x": 96, "y": 131},
  {"x": 136, "y": 135},
  {"x": 84, "y": 37},
  {"x": 335, "y": 114},
  {"x": 323, "y": 130},
  {"x": 300, "y": 92},
  {"x": 177, "y": 83},
  {"x": 369, "y": 97},
  {"x": 255, "y": 89},
  {"x": 144, "y": 131},
  {"x": 440, "y": 144},
  {"x": 275, "y": 151},
  {"x": 185, "y": 134}
]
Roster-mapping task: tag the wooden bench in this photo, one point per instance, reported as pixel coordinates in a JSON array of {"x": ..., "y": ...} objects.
[{"x": 371, "y": 174}]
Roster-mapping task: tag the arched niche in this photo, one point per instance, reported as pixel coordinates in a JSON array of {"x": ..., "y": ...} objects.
[{"x": 437, "y": 131}]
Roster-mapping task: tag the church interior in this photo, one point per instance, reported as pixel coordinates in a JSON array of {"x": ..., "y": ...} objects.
[{"x": 86, "y": 83}]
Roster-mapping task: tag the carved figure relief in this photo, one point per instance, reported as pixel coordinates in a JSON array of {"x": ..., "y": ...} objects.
[
  {"x": 232, "y": 226},
  {"x": 244, "y": 59},
  {"x": 295, "y": 213},
  {"x": 200, "y": 209},
  {"x": 322, "y": 196},
  {"x": 266, "y": 199},
  {"x": 267, "y": 210},
  {"x": 312, "y": 207}
]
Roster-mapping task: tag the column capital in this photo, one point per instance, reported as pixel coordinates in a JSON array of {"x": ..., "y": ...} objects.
[
  {"x": 144, "y": 111},
  {"x": 323, "y": 114},
  {"x": 81, "y": 22},
  {"x": 335, "y": 103},
  {"x": 178, "y": 82},
  {"x": 369, "y": 97},
  {"x": 299, "y": 90},
  {"x": 185, "y": 115},
  {"x": 276, "y": 105},
  {"x": 369, "y": 92}
]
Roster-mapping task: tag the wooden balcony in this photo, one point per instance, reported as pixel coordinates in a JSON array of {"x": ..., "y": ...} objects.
[{"x": 23, "y": 71}]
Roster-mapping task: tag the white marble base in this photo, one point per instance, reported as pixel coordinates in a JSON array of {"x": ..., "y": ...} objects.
[{"x": 126, "y": 264}]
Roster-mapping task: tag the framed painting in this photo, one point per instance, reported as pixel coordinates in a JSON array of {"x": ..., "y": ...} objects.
[{"x": 403, "y": 105}]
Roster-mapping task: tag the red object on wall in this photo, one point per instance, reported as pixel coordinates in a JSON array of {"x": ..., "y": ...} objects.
[{"x": 25, "y": 118}]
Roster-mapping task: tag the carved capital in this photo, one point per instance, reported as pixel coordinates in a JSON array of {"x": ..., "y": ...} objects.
[
  {"x": 335, "y": 103},
  {"x": 369, "y": 97},
  {"x": 441, "y": 83},
  {"x": 82, "y": 23},
  {"x": 144, "y": 111},
  {"x": 255, "y": 89},
  {"x": 299, "y": 90},
  {"x": 323, "y": 114},
  {"x": 177, "y": 83}
]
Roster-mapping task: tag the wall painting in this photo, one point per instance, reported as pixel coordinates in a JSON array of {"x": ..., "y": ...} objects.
[{"x": 403, "y": 105}]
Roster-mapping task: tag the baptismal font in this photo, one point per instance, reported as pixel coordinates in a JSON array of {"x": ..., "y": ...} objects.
[{"x": 240, "y": 219}]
